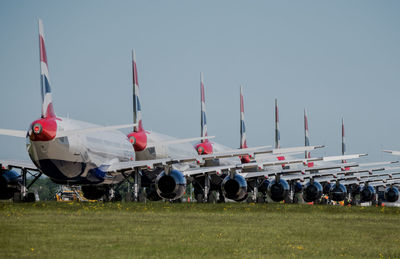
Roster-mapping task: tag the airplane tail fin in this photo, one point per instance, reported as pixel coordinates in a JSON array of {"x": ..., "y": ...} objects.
[
  {"x": 343, "y": 141},
  {"x": 243, "y": 141},
  {"x": 47, "y": 103},
  {"x": 137, "y": 110},
  {"x": 277, "y": 133},
  {"x": 306, "y": 138},
  {"x": 203, "y": 110}
]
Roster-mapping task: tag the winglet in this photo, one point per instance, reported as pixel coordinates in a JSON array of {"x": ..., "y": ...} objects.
[
  {"x": 47, "y": 103},
  {"x": 203, "y": 109},
  {"x": 137, "y": 110},
  {"x": 277, "y": 133}
]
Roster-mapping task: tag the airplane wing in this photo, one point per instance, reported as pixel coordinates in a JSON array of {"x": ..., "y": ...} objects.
[
  {"x": 178, "y": 141},
  {"x": 261, "y": 164},
  {"x": 13, "y": 133},
  {"x": 258, "y": 150},
  {"x": 145, "y": 164},
  {"x": 297, "y": 172}
]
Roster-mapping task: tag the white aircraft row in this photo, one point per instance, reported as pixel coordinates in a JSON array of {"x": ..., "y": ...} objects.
[{"x": 100, "y": 157}]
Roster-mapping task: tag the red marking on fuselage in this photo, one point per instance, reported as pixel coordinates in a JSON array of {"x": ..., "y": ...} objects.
[
  {"x": 48, "y": 132},
  {"x": 140, "y": 140},
  {"x": 204, "y": 148},
  {"x": 245, "y": 159}
]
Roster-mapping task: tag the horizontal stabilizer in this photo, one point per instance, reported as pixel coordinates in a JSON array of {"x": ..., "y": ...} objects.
[
  {"x": 294, "y": 149},
  {"x": 13, "y": 133},
  {"x": 393, "y": 152},
  {"x": 94, "y": 129},
  {"x": 345, "y": 157}
]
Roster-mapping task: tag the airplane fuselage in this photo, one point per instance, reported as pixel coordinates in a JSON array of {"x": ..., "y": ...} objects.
[{"x": 78, "y": 158}]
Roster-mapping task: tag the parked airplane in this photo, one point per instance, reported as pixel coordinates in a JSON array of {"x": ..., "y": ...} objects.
[
  {"x": 151, "y": 145},
  {"x": 96, "y": 157},
  {"x": 75, "y": 152}
]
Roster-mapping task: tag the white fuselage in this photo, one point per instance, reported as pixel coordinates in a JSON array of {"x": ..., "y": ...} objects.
[{"x": 80, "y": 157}]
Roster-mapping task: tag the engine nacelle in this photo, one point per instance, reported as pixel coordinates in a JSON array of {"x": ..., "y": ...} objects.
[
  {"x": 171, "y": 186},
  {"x": 391, "y": 194},
  {"x": 93, "y": 192},
  {"x": 312, "y": 191},
  {"x": 338, "y": 192},
  {"x": 234, "y": 188},
  {"x": 138, "y": 140},
  {"x": 8, "y": 184},
  {"x": 367, "y": 194},
  {"x": 278, "y": 190},
  {"x": 204, "y": 148}
]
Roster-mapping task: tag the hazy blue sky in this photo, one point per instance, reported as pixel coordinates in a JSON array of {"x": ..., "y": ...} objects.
[{"x": 335, "y": 58}]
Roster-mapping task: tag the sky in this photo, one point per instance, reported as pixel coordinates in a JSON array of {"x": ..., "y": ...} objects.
[{"x": 334, "y": 58}]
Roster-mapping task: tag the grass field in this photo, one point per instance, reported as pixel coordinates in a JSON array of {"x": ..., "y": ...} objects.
[{"x": 126, "y": 230}]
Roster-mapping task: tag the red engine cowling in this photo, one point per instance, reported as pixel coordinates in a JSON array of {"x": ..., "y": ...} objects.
[
  {"x": 204, "y": 148},
  {"x": 138, "y": 140}
]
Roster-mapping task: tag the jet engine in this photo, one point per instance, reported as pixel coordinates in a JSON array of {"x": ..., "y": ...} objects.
[
  {"x": 93, "y": 192},
  {"x": 8, "y": 184},
  {"x": 171, "y": 185},
  {"x": 367, "y": 193},
  {"x": 278, "y": 190},
  {"x": 391, "y": 194},
  {"x": 337, "y": 192},
  {"x": 234, "y": 188},
  {"x": 312, "y": 191}
]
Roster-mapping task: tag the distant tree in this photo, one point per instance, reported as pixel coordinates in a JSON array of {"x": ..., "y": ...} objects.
[{"x": 46, "y": 188}]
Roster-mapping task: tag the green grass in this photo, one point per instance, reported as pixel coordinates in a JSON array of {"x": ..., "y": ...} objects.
[{"x": 126, "y": 230}]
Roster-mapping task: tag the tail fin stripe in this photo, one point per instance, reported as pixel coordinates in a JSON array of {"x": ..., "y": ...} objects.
[
  {"x": 277, "y": 132},
  {"x": 243, "y": 141},
  {"x": 47, "y": 105},
  {"x": 306, "y": 138},
  {"x": 203, "y": 110},
  {"x": 137, "y": 109}
]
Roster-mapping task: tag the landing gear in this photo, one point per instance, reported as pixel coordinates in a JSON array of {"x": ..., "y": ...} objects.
[
  {"x": 136, "y": 186},
  {"x": 24, "y": 195},
  {"x": 206, "y": 187}
]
